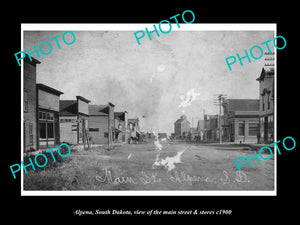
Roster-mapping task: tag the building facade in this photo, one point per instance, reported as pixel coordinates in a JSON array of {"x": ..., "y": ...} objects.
[
  {"x": 48, "y": 134},
  {"x": 241, "y": 120},
  {"x": 121, "y": 127},
  {"x": 134, "y": 128},
  {"x": 266, "y": 104},
  {"x": 74, "y": 123},
  {"x": 101, "y": 123},
  {"x": 200, "y": 129},
  {"x": 30, "y": 105},
  {"x": 211, "y": 127},
  {"x": 182, "y": 127}
]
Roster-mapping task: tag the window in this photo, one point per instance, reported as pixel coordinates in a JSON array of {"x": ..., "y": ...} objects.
[
  {"x": 106, "y": 134},
  {"x": 50, "y": 130},
  {"x": 268, "y": 101},
  {"x": 253, "y": 129},
  {"x": 94, "y": 129},
  {"x": 68, "y": 120},
  {"x": 50, "y": 116},
  {"x": 263, "y": 102},
  {"x": 241, "y": 129},
  {"x": 25, "y": 102},
  {"x": 43, "y": 130},
  {"x": 42, "y": 115},
  {"x": 31, "y": 134},
  {"x": 74, "y": 128}
]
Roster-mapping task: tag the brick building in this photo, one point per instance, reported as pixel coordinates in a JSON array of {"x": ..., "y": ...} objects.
[
  {"x": 241, "y": 120},
  {"x": 266, "y": 104}
]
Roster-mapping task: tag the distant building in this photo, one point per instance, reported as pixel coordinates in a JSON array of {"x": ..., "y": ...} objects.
[
  {"x": 150, "y": 135},
  {"x": 74, "y": 120},
  {"x": 134, "y": 123},
  {"x": 194, "y": 134},
  {"x": 162, "y": 135},
  {"x": 121, "y": 127},
  {"x": 211, "y": 127},
  {"x": 48, "y": 116},
  {"x": 266, "y": 102},
  {"x": 241, "y": 120},
  {"x": 182, "y": 127},
  {"x": 134, "y": 128},
  {"x": 30, "y": 105},
  {"x": 201, "y": 129}
]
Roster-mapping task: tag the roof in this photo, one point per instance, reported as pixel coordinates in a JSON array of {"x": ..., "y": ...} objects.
[
  {"x": 83, "y": 99},
  {"x": 67, "y": 107},
  {"x": 33, "y": 60},
  {"x": 95, "y": 110},
  {"x": 111, "y": 104},
  {"x": 49, "y": 89},
  {"x": 120, "y": 115},
  {"x": 133, "y": 120},
  {"x": 243, "y": 104},
  {"x": 181, "y": 120},
  {"x": 265, "y": 72}
]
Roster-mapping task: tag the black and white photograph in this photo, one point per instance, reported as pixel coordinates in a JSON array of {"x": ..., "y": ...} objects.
[
  {"x": 149, "y": 111},
  {"x": 178, "y": 113}
]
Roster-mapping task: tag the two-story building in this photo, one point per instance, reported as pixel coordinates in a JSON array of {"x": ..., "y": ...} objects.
[
  {"x": 266, "y": 104},
  {"x": 211, "y": 127},
  {"x": 30, "y": 105},
  {"x": 121, "y": 131},
  {"x": 74, "y": 124},
  {"x": 102, "y": 123},
  {"x": 48, "y": 134}
]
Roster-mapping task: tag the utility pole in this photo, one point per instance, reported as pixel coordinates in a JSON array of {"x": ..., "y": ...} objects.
[
  {"x": 220, "y": 133},
  {"x": 220, "y": 99}
]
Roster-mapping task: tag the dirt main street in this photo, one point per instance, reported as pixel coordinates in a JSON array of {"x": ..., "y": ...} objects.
[{"x": 177, "y": 166}]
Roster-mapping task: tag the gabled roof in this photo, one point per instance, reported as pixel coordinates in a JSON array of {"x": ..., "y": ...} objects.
[
  {"x": 265, "y": 72},
  {"x": 33, "y": 60},
  {"x": 243, "y": 104},
  {"x": 67, "y": 107}
]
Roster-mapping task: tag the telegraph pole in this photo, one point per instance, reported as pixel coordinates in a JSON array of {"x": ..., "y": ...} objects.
[
  {"x": 220, "y": 99},
  {"x": 220, "y": 133}
]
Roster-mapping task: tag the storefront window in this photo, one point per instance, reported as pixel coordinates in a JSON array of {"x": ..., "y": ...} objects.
[
  {"x": 253, "y": 129},
  {"x": 241, "y": 129},
  {"x": 46, "y": 128},
  {"x": 43, "y": 130},
  {"x": 50, "y": 130}
]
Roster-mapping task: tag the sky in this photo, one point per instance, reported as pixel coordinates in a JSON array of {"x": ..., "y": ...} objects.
[{"x": 154, "y": 80}]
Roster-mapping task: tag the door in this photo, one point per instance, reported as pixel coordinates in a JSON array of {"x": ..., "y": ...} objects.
[{"x": 266, "y": 129}]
